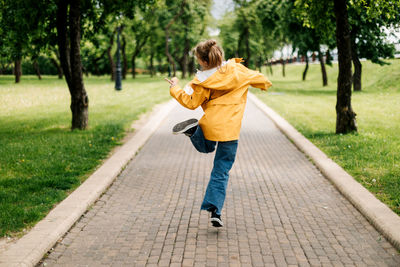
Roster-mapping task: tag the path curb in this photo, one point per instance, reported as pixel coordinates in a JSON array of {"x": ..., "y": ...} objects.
[
  {"x": 380, "y": 216},
  {"x": 30, "y": 249}
]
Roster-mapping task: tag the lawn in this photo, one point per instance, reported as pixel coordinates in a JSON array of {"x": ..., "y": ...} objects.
[
  {"x": 41, "y": 159},
  {"x": 371, "y": 156}
]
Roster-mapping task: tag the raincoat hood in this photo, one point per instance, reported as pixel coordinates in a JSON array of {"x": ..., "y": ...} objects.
[{"x": 226, "y": 77}]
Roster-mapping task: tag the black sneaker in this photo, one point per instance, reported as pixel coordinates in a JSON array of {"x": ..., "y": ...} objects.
[
  {"x": 216, "y": 220},
  {"x": 187, "y": 127}
]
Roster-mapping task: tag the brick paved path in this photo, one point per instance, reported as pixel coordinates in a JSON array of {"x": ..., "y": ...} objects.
[{"x": 279, "y": 210}]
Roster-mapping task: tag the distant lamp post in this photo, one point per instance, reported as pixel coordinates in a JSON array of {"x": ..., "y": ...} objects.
[{"x": 118, "y": 79}]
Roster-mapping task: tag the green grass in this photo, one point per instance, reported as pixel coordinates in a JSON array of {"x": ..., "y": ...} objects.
[
  {"x": 371, "y": 156},
  {"x": 41, "y": 159}
]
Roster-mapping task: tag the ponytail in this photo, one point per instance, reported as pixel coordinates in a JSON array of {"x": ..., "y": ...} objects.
[{"x": 210, "y": 52}]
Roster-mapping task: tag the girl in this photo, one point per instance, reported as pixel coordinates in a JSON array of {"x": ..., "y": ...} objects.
[{"x": 221, "y": 90}]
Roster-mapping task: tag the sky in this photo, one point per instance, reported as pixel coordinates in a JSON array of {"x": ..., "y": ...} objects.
[{"x": 219, "y": 8}]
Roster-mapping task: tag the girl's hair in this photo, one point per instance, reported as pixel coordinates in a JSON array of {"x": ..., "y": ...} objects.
[{"x": 210, "y": 52}]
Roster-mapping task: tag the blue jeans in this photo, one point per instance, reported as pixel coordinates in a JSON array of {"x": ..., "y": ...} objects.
[{"x": 223, "y": 161}]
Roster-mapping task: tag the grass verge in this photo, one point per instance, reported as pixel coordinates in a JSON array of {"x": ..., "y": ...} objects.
[
  {"x": 41, "y": 159},
  {"x": 371, "y": 156}
]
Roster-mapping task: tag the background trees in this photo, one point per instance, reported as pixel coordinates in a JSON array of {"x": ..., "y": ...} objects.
[
  {"x": 72, "y": 38},
  {"x": 363, "y": 20},
  {"x": 80, "y": 27},
  {"x": 368, "y": 40}
]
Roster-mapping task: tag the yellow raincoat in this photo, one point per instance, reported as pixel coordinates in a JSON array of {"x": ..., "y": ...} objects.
[{"x": 223, "y": 98}]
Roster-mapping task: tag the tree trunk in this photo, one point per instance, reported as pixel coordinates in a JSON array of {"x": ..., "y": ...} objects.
[
  {"x": 328, "y": 58},
  {"x": 96, "y": 68},
  {"x": 151, "y": 63},
  {"x": 110, "y": 57},
  {"x": 96, "y": 64},
  {"x": 183, "y": 64},
  {"x": 84, "y": 70},
  {"x": 258, "y": 63},
  {"x": 306, "y": 69},
  {"x": 68, "y": 39},
  {"x": 269, "y": 64},
  {"x": 323, "y": 69},
  {"x": 4, "y": 67},
  {"x": 357, "y": 74},
  {"x": 37, "y": 70},
  {"x": 124, "y": 58},
  {"x": 345, "y": 117},
  {"x": 160, "y": 66},
  {"x": 138, "y": 48},
  {"x": 239, "y": 46},
  {"x": 58, "y": 67},
  {"x": 357, "y": 66},
  {"x": 248, "y": 52},
  {"x": 185, "y": 55},
  {"x": 246, "y": 36},
  {"x": 170, "y": 59},
  {"x": 133, "y": 66},
  {"x": 283, "y": 62},
  {"x": 17, "y": 70},
  {"x": 191, "y": 66}
]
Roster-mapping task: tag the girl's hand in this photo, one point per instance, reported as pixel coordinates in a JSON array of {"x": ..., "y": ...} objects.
[{"x": 174, "y": 81}]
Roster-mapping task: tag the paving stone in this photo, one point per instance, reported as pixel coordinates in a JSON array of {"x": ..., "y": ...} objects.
[{"x": 279, "y": 210}]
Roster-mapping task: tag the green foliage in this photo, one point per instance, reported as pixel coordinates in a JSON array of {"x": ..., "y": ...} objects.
[
  {"x": 252, "y": 27},
  {"x": 41, "y": 159},
  {"x": 45, "y": 66},
  {"x": 190, "y": 28},
  {"x": 229, "y": 35},
  {"x": 318, "y": 15},
  {"x": 367, "y": 20},
  {"x": 367, "y": 29},
  {"x": 23, "y": 27},
  {"x": 28, "y": 28},
  {"x": 370, "y": 156}
]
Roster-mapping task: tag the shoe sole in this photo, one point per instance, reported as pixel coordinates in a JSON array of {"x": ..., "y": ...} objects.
[
  {"x": 184, "y": 126},
  {"x": 216, "y": 222}
]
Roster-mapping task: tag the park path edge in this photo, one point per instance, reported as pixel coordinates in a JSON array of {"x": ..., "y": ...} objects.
[
  {"x": 377, "y": 213},
  {"x": 30, "y": 249}
]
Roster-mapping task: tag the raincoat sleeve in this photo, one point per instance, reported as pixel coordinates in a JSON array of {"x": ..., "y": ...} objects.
[
  {"x": 256, "y": 79},
  {"x": 193, "y": 100}
]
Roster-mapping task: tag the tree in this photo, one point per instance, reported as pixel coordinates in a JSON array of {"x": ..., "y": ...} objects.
[
  {"x": 69, "y": 16},
  {"x": 311, "y": 26},
  {"x": 141, "y": 28},
  {"x": 273, "y": 34},
  {"x": 195, "y": 18},
  {"x": 319, "y": 15},
  {"x": 246, "y": 19},
  {"x": 185, "y": 25},
  {"x": 110, "y": 36},
  {"x": 345, "y": 117},
  {"x": 168, "y": 33},
  {"x": 14, "y": 33},
  {"x": 68, "y": 31},
  {"x": 229, "y": 35},
  {"x": 368, "y": 39},
  {"x": 55, "y": 59},
  {"x": 265, "y": 31},
  {"x": 251, "y": 31}
]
